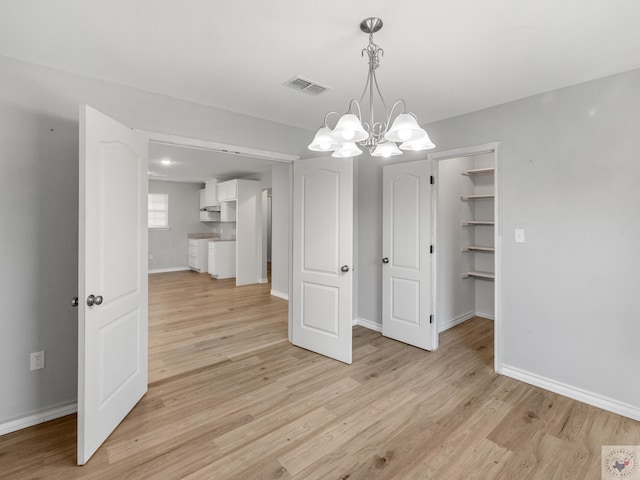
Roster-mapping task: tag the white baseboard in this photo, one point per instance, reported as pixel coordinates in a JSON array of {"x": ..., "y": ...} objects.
[
  {"x": 488, "y": 316},
  {"x": 600, "y": 401},
  {"x": 166, "y": 270},
  {"x": 39, "y": 417},
  {"x": 454, "y": 321},
  {"x": 282, "y": 295},
  {"x": 363, "y": 322}
]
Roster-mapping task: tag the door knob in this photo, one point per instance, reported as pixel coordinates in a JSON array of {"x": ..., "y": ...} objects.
[
  {"x": 385, "y": 260},
  {"x": 344, "y": 268},
  {"x": 93, "y": 300},
  {"x": 74, "y": 302}
]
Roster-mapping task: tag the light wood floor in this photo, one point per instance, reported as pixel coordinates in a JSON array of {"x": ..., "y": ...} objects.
[{"x": 230, "y": 398}]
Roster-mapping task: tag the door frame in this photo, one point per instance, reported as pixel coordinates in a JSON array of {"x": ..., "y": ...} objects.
[{"x": 492, "y": 147}]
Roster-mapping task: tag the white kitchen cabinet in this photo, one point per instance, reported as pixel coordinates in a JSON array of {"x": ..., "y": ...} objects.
[
  {"x": 198, "y": 254},
  {"x": 227, "y": 191},
  {"x": 222, "y": 259},
  {"x": 207, "y": 214},
  {"x": 228, "y": 211},
  {"x": 244, "y": 206},
  {"x": 211, "y": 193}
]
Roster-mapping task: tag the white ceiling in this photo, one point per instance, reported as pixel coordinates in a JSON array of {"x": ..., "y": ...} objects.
[
  {"x": 195, "y": 165},
  {"x": 444, "y": 58}
]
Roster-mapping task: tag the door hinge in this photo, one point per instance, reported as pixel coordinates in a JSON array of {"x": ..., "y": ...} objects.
[
  {"x": 431, "y": 318},
  {"x": 430, "y": 248},
  {"x": 432, "y": 180}
]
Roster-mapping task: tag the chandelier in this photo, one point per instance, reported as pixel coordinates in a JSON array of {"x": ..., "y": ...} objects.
[{"x": 380, "y": 138}]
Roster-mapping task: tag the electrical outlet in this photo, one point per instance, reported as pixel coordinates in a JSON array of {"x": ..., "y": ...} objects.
[{"x": 37, "y": 360}]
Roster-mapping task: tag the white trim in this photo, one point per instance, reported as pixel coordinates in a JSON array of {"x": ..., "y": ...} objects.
[
  {"x": 166, "y": 270},
  {"x": 454, "y": 321},
  {"x": 263, "y": 280},
  {"x": 498, "y": 297},
  {"x": 488, "y": 316},
  {"x": 188, "y": 142},
  {"x": 39, "y": 417},
  {"x": 371, "y": 325},
  {"x": 282, "y": 295},
  {"x": 585, "y": 396},
  {"x": 490, "y": 147}
]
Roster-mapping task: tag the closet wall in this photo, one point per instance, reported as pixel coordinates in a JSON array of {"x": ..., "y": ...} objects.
[{"x": 464, "y": 239}]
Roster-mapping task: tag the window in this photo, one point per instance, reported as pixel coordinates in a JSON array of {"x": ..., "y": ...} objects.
[{"x": 158, "y": 210}]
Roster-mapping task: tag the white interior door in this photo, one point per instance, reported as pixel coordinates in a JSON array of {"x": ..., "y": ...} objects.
[
  {"x": 323, "y": 256},
  {"x": 112, "y": 276},
  {"x": 407, "y": 303}
]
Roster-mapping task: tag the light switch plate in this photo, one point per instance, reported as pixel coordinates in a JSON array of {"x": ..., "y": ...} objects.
[{"x": 519, "y": 235}]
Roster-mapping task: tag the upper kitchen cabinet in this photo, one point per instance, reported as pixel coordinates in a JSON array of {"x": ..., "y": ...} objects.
[
  {"x": 208, "y": 214},
  {"x": 211, "y": 194},
  {"x": 228, "y": 191}
]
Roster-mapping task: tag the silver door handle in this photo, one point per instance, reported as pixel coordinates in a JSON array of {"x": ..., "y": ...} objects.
[
  {"x": 344, "y": 268},
  {"x": 93, "y": 300},
  {"x": 74, "y": 302},
  {"x": 385, "y": 260}
]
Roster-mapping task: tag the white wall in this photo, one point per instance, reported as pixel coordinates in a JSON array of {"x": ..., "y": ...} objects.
[
  {"x": 39, "y": 205},
  {"x": 569, "y": 175},
  {"x": 169, "y": 248}
]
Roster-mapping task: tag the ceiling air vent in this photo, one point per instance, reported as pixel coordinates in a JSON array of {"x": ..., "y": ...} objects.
[{"x": 306, "y": 86}]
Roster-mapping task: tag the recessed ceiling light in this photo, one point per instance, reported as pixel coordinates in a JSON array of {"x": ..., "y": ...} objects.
[{"x": 166, "y": 161}]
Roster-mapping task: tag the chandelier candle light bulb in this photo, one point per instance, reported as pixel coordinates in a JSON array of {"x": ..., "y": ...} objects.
[{"x": 374, "y": 135}]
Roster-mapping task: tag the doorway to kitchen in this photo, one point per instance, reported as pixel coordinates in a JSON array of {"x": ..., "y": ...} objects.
[{"x": 195, "y": 320}]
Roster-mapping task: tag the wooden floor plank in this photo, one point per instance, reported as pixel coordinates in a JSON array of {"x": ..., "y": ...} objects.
[{"x": 230, "y": 397}]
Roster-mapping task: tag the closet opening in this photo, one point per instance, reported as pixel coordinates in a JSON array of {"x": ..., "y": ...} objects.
[{"x": 466, "y": 226}]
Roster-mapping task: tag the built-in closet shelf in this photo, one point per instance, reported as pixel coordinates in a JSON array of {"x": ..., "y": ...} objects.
[
  {"x": 476, "y": 197},
  {"x": 489, "y": 275},
  {"x": 476, "y": 248},
  {"x": 473, "y": 223},
  {"x": 479, "y": 171}
]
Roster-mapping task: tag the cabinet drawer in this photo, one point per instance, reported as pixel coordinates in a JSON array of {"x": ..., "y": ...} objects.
[{"x": 193, "y": 250}]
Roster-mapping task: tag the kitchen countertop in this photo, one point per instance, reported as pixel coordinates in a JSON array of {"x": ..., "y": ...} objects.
[{"x": 201, "y": 236}]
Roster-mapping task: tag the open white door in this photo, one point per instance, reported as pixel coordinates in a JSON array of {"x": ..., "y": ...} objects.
[
  {"x": 407, "y": 303},
  {"x": 322, "y": 256},
  {"x": 112, "y": 277}
]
